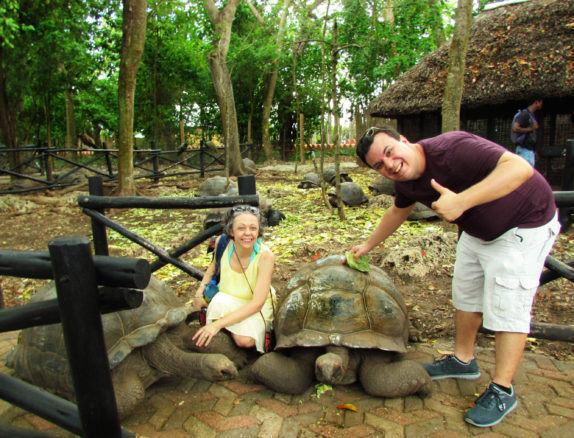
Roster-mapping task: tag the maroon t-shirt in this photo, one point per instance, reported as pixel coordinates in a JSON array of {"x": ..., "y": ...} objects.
[{"x": 458, "y": 160}]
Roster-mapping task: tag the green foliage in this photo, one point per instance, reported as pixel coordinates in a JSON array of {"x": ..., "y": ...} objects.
[{"x": 50, "y": 47}]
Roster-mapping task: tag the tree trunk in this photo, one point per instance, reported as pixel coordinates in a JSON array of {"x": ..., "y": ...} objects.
[
  {"x": 70, "y": 119},
  {"x": 48, "y": 120},
  {"x": 302, "y": 137},
  {"x": 455, "y": 79},
  {"x": 336, "y": 138},
  {"x": 9, "y": 109},
  {"x": 222, "y": 20},
  {"x": 133, "y": 39}
]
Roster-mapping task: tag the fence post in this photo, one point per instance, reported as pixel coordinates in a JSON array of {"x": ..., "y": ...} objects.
[
  {"x": 246, "y": 184},
  {"x": 201, "y": 158},
  {"x": 155, "y": 159},
  {"x": 75, "y": 278},
  {"x": 108, "y": 160},
  {"x": 98, "y": 229}
]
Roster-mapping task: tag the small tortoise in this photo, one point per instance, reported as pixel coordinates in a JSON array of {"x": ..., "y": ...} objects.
[
  {"x": 382, "y": 186},
  {"x": 249, "y": 165},
  {"x": 329, "y": 175},
  {"x": 351, "y": 193},
  {"x": 215, "y": 186},
  {"x": 422, "y": 212},
  {"x": 339, "y": 325},
  {"x": 144, "y": 344},
  {"x": 310, "y": 180}
]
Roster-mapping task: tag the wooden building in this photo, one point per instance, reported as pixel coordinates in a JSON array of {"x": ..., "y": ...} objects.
[{"x": 515, "y": 49}]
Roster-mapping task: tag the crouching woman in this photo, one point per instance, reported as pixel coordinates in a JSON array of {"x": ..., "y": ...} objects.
[{"x": 243, "y": 306}]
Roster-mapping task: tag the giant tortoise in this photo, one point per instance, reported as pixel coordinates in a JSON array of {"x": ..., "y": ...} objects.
[
  {"x": 309, "y": 180},
  {"x": 338, "y": 325},
  {"x": 329, "y": 175},
  {"x": 143, "y": 344},
  {"x": 351, "y": 193},
  {"x": 215, "y": 186}
]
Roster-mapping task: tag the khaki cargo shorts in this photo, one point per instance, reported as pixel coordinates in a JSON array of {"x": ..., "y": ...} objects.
[{"x": 499, "y": 278}]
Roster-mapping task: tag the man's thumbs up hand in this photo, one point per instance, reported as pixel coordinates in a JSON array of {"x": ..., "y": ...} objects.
[{"x": 448, "y": 205}]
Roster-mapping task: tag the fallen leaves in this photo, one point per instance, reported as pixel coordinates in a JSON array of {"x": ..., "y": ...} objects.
[{"x": 348, "y": 407}]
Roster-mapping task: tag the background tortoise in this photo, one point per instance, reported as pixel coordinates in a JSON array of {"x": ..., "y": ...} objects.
[
  {"x": 310, "y": 180},
  {"x": 351, "y": 193},
  {"x": 215, "y": 186},
  {"x": 144, "y": 344},
  {"x": 329, "y": 175},
  {"x": 249, "y": 165},
  {"x": 382, "y": 186},
  {"x": 338, "y": 324}
]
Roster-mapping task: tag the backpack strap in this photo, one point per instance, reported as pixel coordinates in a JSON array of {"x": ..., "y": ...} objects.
[{"x": 219, "y": 250}]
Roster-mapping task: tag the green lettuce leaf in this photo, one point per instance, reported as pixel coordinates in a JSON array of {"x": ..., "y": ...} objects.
[{"x": 361, "y": 264}]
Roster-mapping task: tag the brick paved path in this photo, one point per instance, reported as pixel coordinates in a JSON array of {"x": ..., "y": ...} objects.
[{"x": 196, "y": 408}]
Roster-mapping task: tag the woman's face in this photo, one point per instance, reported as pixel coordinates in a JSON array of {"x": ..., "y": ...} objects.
[{"x": 245, "y": 229}]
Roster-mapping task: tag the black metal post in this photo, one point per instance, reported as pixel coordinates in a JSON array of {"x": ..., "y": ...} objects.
[
  {"x": 155, "y": 161},
  {"x": 201, "y": 158},
  {"x": 46, "y": 162},
  {"x": 108, "y": 160},
  {"x": 99, "y": 234},
  {"x": 246, "y": 184},
  {"x": 75, "y": 278}
]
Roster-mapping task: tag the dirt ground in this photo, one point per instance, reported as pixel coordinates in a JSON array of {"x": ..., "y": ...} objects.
[{"x": 421, "y": 266}]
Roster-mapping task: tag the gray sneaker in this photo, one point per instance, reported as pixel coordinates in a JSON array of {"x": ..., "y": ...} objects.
[
  {"x": 449, "y": 366},
  {"x": 491, "y": 407}
]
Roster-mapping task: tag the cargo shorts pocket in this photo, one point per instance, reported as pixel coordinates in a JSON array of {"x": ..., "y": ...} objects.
[{"x": 513, "y": 296}]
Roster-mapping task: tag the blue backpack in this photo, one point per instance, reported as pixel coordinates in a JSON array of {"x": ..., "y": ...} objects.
[
  {"x": 212, "y": 287},
  {"x": 517, "y": 138}
]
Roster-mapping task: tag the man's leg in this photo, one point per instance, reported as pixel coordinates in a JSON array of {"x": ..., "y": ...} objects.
[
  {"x": 466, "y": 326},
  {"x": 509, "y": 293},
  {"x": 468, "y": 284},
  {"x": 509, "y": 348}
]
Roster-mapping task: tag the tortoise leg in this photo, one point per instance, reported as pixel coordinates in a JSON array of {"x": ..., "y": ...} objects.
[
  {"x": 164, "y": 356},
  {"x": 381, "y": 377},
  {"x": 337, "y": 366},
  {"x": 221, "y": 343},
  {"x": 290, "y": 375},
  {"x": 128, "y": 387}
]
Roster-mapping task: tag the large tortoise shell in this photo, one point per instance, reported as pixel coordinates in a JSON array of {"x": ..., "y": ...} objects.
[
  {"x": 328, "y": 303},
  {"x": 40, "y": 355}
]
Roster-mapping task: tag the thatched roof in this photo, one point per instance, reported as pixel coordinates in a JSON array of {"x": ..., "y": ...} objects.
[{"x": 513, "y": 50}]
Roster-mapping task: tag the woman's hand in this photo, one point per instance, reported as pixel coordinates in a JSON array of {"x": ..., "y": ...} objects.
[
  {"x": 205, "y": 334},
  {"x": 198, "y": 302}
]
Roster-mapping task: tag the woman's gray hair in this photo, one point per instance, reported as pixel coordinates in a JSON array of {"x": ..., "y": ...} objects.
[{"x": 240, "y": 209}]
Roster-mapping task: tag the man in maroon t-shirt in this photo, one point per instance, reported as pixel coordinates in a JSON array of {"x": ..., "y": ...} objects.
[{"x": 506, "y": 212}]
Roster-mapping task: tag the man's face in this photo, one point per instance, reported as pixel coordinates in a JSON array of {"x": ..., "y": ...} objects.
[
  {"x": 396, "y": 160},
  {"x": 539, "y": 104}
]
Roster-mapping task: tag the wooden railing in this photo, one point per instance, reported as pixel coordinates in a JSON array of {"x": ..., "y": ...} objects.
[{"x": 80, "y": 302}]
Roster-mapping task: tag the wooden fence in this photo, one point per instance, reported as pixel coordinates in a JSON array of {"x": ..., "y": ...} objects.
[
  {"x": 42, "y": 168},
  {"x": 79, "y": 303}
]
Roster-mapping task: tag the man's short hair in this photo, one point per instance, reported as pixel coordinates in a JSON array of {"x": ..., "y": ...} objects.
[
  {"x": 535, "y": 97},
  {"x": 366, "y": 141}
]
